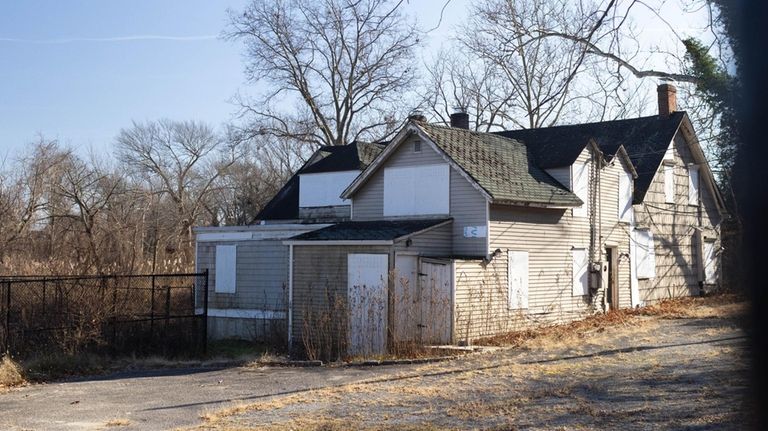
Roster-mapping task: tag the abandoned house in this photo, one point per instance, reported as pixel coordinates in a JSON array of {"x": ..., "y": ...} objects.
[{"x": 446, "y": 235}]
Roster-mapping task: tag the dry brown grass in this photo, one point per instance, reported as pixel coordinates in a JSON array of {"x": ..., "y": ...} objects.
[
  {"x": 724, "y": 306},
  {"x": 715, "y": 306},
  {"x": 11, "y": 374},
  {"x": 118, "y": 423}
]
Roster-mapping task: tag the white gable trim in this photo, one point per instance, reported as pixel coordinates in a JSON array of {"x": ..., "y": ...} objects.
[{"x": 401, "y": 136}]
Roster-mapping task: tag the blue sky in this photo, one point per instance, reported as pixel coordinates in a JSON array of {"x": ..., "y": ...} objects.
[{"x": 83, "y": 91}]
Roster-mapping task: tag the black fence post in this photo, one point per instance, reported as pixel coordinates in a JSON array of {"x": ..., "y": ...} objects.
[
  {"x": 152, "y": 313},
  {"x": 44, "y": 301},
  {"x": 205, "y": 311},
  {"x": 7, "y": 337}
]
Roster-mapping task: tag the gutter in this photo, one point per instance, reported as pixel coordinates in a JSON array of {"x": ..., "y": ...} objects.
[{"x": 338, "y": 242}]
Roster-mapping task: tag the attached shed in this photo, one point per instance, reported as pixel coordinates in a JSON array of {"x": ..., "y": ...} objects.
[
  {"x": 362, "y": 288},
  {"x": 248, "y": 279}
]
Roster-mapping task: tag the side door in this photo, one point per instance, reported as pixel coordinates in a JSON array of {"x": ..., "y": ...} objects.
[{"x": 436, "y": 293}]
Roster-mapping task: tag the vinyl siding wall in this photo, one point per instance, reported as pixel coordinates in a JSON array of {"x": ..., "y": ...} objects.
[
  {"x": 320, "y": 297},
  {"x": 548, "y": 236},
  {"x": 677, "y": 248},
  {"x": 467, "y": 204},
  {"x": 320, "y": 284},
  {"x": 261, "y": 284}
]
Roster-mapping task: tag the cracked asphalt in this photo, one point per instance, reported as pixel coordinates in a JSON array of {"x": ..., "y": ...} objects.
[{"x": 650, "y": 372}]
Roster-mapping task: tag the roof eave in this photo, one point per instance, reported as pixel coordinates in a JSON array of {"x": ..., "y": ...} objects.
[{"x": 534, "y": 204}]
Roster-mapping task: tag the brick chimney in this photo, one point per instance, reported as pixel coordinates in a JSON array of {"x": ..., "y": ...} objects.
[
  {"x": 460, "y": 119},
  {"x": 667, "y": 99}
]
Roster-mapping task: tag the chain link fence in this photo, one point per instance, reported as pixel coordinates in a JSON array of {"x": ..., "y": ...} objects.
[{"x": 156, "y": 314}]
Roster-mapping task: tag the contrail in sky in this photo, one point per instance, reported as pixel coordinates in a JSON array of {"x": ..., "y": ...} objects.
[{"x": 108, "y": 39}]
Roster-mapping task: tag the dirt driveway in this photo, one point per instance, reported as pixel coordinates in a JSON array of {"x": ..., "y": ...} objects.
[{"x": 668, "y": 371}]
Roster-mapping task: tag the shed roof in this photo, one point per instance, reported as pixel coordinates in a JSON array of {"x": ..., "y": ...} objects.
[
  {"x": 501, "y": 166},
  {"x": 379, "y": 230},
  {"x": 645, "y": 140}
]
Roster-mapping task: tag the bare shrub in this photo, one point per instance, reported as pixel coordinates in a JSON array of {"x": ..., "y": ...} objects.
[
  {"x": 324, "y": 329},
  {"x": 11, "y": 374}
]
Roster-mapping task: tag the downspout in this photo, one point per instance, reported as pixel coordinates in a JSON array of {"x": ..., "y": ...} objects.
[{"x": 290, "y": 298}]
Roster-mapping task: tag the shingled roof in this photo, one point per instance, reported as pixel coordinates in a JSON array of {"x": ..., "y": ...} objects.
[
  {"x": 355, "y": 156},
  {"x": 645, "y": 139},
  {"x": 500, "y": 166},
  {"x": 380, "y": 230}
]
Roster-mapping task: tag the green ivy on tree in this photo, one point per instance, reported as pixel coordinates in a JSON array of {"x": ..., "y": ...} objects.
[{"x": 720, "y": 91}]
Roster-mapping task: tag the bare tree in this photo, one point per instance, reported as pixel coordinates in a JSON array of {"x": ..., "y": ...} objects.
[
  {"x": 335, "y": 70},
  {"x": 178, "y": 160},
  {"x": 461, "y": 81},
  {"x": 26, "y": 194},
  {"x": 540, "y": 72},
  {"x": 88, "y": 188}
]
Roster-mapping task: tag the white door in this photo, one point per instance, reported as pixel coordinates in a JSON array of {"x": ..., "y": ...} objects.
[
  {"x": 710, "y": 263},
  {"x": 436, "y": 304},
  {"x": 367, "y": 287},
  {"x": 407, "y": 312}
]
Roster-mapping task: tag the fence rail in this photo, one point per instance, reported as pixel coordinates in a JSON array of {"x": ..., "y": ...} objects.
[{"x": 163, "y": 314}]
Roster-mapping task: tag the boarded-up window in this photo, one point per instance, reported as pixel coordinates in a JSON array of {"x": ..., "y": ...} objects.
[
  {"x": 581, "y": 187},
  {"x": 669, "y": 155},
  {"x": 580, "y": 272},
  {"x": 517, "y": 273},
  {"x": 645, "y": 264},
  {"x": 416, "y": 190},
  {"x": 693, "y": 185},
  {"x": 710, "y": 263},
  {"x": 625, "y": 197},
  {"x": 324, "y": 189},
  {"x": 669, "y": 184},
  {"x": 226, "y": 268}
]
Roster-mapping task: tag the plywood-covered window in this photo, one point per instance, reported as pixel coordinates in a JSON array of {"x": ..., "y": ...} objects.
[
  {"x": 669, "y": 155},
  {"x": 645, "y": 258},
  {"x": 669, "y": 184},
  {"x": 226, "y": 269},
  {"x": 710, "y": 262},
  {"x": 580, "y": 187},
  {"x": 625, "y": 197},
  {"x": 517, "y": 273},
  {"x": 693, "y": 185},
  {"x": 324, "y": 189},
  {"x": 416, "y": 190},
  {"x": 580, "y": 272}
]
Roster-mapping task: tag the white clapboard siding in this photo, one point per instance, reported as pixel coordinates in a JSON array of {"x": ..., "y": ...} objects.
[
  {"x": 517, "y": 273},
  {"x": 367, "y": 290},
  {"x": 226, "y": 269},
  {"x": 678, "y": 253},
  {"x": 548, "y": 235}
]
